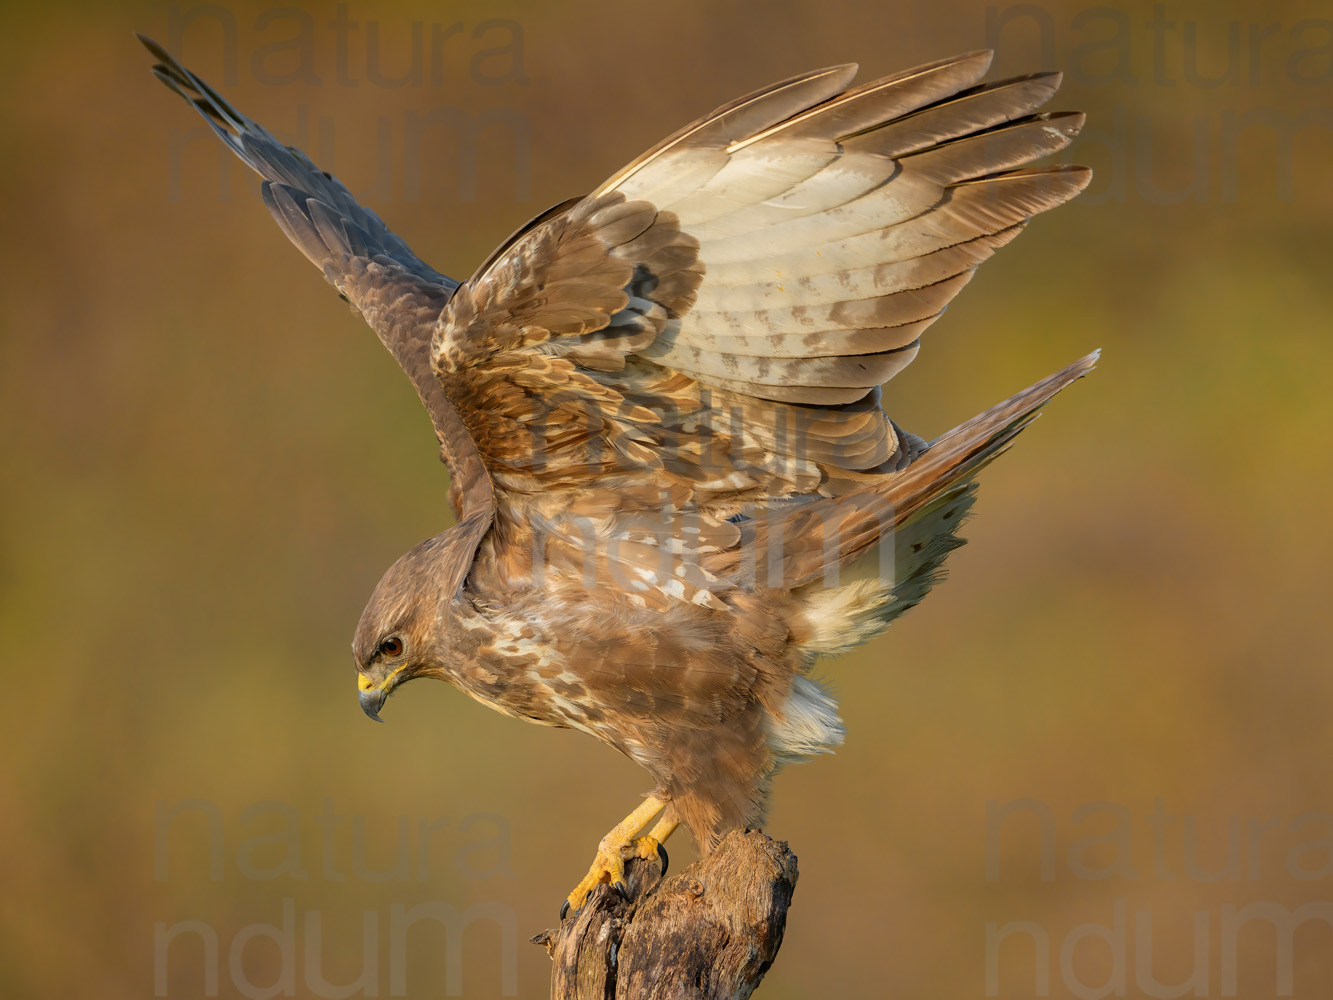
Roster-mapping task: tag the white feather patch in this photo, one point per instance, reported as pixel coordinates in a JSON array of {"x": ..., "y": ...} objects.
[{"x": 810, "y": 724}]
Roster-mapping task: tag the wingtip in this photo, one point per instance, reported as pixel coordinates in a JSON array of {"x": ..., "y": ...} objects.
[
  {"x": 843, "y": 72},
  {"x": 157, "y": 51},
  {"x": 983, "y": 56},
  {"x": 1082, "y": 176}
]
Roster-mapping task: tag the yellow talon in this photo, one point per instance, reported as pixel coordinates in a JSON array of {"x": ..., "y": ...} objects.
[
  {"x": 609, "y": 866},
  {"x": 620, "y": 845}
]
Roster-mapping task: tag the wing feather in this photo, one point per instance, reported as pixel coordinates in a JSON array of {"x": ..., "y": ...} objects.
[
  {"x": 398, "y": 294},
  {"x": 710, "y": 327}
]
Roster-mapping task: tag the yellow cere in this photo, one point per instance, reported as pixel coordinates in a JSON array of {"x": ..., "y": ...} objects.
[{"x": 364, "y": 683}]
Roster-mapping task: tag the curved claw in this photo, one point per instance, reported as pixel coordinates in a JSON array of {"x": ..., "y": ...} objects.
[
  {"x": 662, "y": 856},
  {"x": 620, "y": 846},
  {"x": 564, "y": 909}
]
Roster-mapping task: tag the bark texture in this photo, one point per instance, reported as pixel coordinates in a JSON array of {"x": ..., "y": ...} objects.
[{"x": 709, "y": 933}]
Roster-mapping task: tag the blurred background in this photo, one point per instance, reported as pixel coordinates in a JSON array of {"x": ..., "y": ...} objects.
[{"x": 1077, "y": 770}]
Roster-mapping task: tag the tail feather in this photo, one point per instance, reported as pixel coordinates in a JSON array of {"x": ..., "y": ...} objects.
[
  {"x": 852, "y": 593},
  {"x": 964, "y": 451}
]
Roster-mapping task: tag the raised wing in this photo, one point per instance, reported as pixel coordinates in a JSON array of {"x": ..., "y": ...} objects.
[
  {"x": 398, "y": 294},
  {"x": 706, "y": 329},
  {"x": 711, "y": 325}
]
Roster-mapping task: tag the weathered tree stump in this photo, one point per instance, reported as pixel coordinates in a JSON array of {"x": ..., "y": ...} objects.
[{"x": 709, "y": 933}]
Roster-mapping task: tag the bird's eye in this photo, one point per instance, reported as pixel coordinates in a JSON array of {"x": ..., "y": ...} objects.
[{"x": 391, "y": 646}]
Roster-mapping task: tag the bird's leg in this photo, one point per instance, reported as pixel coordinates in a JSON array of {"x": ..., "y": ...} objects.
[
  {"x": 665, "y": 827},
  {"x": 620, "y": 845},
  {"x": 651, "y": 842}
]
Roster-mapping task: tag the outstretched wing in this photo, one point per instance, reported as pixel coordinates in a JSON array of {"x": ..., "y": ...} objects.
[
  {"x": 711, "y": 325},
  {"x": 399, "y": 295}
]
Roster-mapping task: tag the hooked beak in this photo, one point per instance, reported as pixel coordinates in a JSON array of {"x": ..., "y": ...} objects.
[
  {"x": 371, "y": 697},
  {"x": 371, "y": 702},
  {"x": 374, "y": 693}
]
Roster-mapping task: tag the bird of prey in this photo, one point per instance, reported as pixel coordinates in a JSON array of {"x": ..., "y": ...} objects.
[{"x": 660, "y": 408}]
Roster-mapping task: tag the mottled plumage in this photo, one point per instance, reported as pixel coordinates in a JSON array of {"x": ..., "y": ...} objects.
[{"x": 660, "y": 409}]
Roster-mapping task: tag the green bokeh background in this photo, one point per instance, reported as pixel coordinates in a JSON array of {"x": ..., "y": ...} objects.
[{"x": 208, "y": 461}]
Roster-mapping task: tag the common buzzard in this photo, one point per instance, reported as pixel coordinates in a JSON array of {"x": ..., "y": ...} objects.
[{"x": 659, "y": 406}]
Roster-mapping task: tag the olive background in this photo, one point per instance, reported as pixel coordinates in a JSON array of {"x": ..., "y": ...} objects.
[{"x": 208, "y": 461}]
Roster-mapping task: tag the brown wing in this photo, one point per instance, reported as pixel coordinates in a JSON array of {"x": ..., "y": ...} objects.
[
  {"x": 711, "y": 325},
  {"x": 798, "y": 546},
  {"x": 399, "y": 295}
]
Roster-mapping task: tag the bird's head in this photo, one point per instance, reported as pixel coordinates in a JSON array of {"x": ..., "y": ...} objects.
[{"x": 400, "y": 632}]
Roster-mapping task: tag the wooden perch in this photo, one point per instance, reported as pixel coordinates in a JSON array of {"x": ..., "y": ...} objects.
[{"x": 709, "y": 933}]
